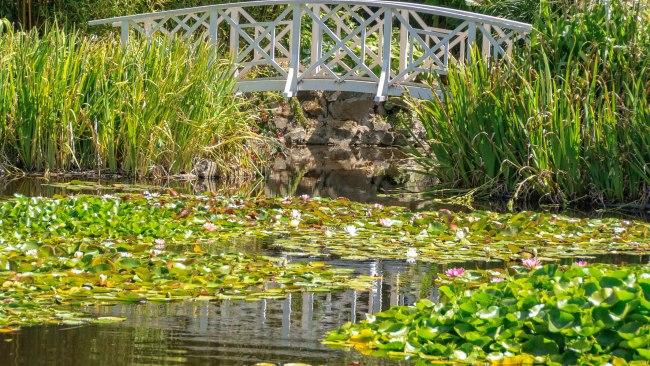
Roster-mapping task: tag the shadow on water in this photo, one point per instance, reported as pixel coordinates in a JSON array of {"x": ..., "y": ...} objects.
[{"x": 359, "y": 174}]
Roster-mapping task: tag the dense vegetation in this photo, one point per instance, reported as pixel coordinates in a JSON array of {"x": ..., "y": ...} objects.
[
  {"x": 582, "y": 315},
  {"x": 63, "y": 251},
  {"x": 330, "y": 228},
  {"x": 78, "y": 12},
  {"x": 59, "y": 253},
  {"x": 567, "y": 121},
  {"x": 69, "y": 102}
]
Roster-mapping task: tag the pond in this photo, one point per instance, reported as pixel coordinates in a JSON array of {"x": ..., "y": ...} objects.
[{"x": 290, "y": 328}]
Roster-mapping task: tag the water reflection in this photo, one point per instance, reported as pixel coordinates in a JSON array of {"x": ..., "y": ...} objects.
[
  {"x": 361, "y": 174},
  {"x": 223, "y": 332}
]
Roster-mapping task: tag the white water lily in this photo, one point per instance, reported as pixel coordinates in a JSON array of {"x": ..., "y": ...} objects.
[
  {"x": 294, "y": 222},
  {"x": 411, "y": 255},
  {"x": 77, "y": 271},
  {"x": 351, "y": 230},
  {"x": 619, "y": 230},
  {"x": 460, "y": 234},
  {"x": 78, "y": 254},
  {"x": 295, "y": 214},
  {"x": 387, "y": 222}
]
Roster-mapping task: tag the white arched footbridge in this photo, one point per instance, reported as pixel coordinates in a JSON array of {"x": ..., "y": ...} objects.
[{"x": 379, "y": 47}]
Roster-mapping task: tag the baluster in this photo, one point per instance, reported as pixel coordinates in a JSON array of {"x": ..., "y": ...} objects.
[
  {"x": 291, "y": 86},
  {"x": 316, "y": 39},
  {"x": 403, "y": 40},
  {"x": 485, "y": 29},
  {"x": 471, "y": 38},
  {"x": 214, "y": 16},
  {"x": 234, "y": 38},
  {"x": 124, "y": 32},
  {"x": 234, "y": 32},
  {"x": 382, "y": 86}
]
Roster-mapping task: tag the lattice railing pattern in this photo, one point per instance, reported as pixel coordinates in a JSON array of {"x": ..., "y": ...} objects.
[{"x": 379, "y": 47}]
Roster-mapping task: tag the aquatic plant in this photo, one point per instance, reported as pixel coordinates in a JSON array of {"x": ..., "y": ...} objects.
[
  {"x": 565, "y": 122},
  {"x": 552, "y": 315},
  {"x": 72, "y": 102},
  {"x": 324, "y": 228},
  {"x": 56, "y": 254},
  {"x": 455, "y": 272},
  {"x": 531, "y": 263}
]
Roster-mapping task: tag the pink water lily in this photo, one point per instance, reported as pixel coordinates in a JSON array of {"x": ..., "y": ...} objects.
[
  {"x": 208, "y": 226},
  {"x": 582, "y": 263},
  {"x": 531, "y": 263},
  {"x": 455, "y": 272}
]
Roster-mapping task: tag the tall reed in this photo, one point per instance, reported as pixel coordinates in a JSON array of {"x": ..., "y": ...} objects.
[
  {"x": 567, "y": 121},
  {"x": 68, "y": 102}
]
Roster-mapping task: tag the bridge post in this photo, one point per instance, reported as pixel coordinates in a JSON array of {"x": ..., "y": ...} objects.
[
  {"x": 403, "y": 40},
  {"x": 234, "y": 36},
  {"x": 214, "y": 16},
  {"x": 291, "y": 86},
  {"x": 382, "y": 86},
  {"x": 471, "y": 38},
  {"x": 316, "y": 45},
  {"x": 124, "y": 32},
  {"x": 486, "y": 28}
]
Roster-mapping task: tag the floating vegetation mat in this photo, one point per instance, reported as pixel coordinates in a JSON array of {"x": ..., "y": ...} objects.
[
  {"x": 588, "y": 315},
  {"x": 58, "y": 253}
]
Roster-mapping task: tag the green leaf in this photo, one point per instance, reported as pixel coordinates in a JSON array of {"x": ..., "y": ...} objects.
[{"x": 540, "y": 346}]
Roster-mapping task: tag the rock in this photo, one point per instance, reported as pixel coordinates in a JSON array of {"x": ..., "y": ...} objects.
[
  {"x": 313, "y": 108},
  {"x": 317, "y": 136},
  {"x": 206, "y": 169},
  {"x": 378, "y": 124},
  {"x": 297, "y": 136},
  {"x": 280, "y": 122},
  {"x": 355, "y": 108}
]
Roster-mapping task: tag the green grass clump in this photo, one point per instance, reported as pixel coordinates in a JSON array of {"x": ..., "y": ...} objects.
[
  {"x": 567, "y": 121},
  {"x": 69, "y": 102},
  {"x": 592, "y": 315}
]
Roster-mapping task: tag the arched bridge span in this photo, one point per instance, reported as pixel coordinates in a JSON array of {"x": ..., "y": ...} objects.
[{"x": 379, "y": 47}]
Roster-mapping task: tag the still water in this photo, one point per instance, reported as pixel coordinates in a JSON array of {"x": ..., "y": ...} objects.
[
  {"x": 223, "y": 332},
  {"x": 236, "y": 332}
]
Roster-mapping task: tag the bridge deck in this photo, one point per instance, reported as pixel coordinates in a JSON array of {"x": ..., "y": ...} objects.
[{"x": 379, "y": 47}]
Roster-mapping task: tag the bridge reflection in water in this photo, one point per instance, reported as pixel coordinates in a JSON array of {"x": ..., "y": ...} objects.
[
  {"x": 224, "y": 332},
  {"x": 378, "y": 47}
]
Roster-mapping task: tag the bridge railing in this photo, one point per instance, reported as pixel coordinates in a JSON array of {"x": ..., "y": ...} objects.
[{"x": 380, "y": 47}]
